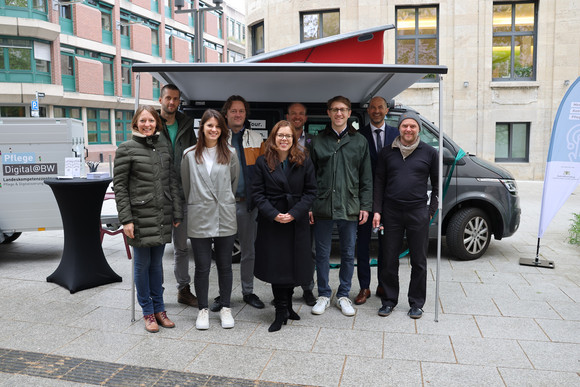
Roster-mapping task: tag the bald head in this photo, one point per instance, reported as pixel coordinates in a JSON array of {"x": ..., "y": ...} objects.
[{"x": 377, "y": 111}]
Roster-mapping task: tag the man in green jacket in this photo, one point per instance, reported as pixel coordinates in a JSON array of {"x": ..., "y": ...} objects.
[
  {"x": 343, "y": 173},
  {"x": 178, "y": 131}
]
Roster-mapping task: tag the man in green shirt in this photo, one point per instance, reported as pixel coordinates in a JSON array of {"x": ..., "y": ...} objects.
[{"x": 178, "y": 129}]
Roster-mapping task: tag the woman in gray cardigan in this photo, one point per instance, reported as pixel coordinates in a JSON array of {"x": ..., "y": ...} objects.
[
  {"x": 209, "y": 175},
  {"x": 149, "y": 206}
]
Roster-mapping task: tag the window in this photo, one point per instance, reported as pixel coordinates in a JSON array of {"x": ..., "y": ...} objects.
[
  {"x": 168, "y": 43},
  {"x": 35, "y": 9},
  {"x": 417, "y": 35},
  {"x": 316, "y": 25},
  {"x": 106, "y": 19},
  {"x": 512, "y": 141},
  {"x": 67, "y": 112},
  {"x": 258, "y": 38},
  {"x": 156, "y": 89},
  {"x": 514, "y": 36},
  {"x": 98, "y": 126},
  {"x": 108, "y": 79},
  {"x": 124, "y": 27},
  {"x": 235, "y": 56},
  {"x": 66, "y": 19},
  {"x": 167, "y": 6},
  {"x": 67, "y": 70},
  {"x": 12, "y": 111},
  {"x": 127, "y": 77},
  {"x": 24, "y": 60},
  {"x": 154, "y": 41},
  {"x": 123, "y": 125}
]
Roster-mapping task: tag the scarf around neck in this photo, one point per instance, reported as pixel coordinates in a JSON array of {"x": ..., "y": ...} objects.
[{"x": 406, "y": 150}]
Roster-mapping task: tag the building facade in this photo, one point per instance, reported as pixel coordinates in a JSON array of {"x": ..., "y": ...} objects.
[
  {"x": 510, "y": 62},
  {"x": 79, "y": 53}
]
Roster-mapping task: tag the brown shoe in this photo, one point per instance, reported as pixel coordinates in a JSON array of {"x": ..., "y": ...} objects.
[
  {"x": 163, "y": 320},
  {"x": 380, "y": 292},
  {"x": 184, "y": 296},
  {"x": 151, "y": 324},
  {"x": 362, "y": 296}
]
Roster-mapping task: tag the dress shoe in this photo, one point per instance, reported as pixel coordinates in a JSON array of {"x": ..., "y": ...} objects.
[
  {"x": 380, "y": 292},
  {"x": 184, "y": 296},
  {"x": 309, "y": 298},
  {"x": 163, "y": 320},
  {"x": 415, "y": 312},
  {"x": 385, "y": 310},
  {"x": 216, "y": 306},
  {"x": 362, "y": 296},
  {"x": 253, "y": 300},
  {"x": 150, "y": 324}
]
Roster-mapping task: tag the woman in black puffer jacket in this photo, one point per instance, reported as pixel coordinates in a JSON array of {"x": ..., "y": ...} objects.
[{"x": 149, "y": 205}]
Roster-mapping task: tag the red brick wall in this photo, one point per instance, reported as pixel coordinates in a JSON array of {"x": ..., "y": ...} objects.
[
  {"x": 89, "y": 76},
  {"x": 146, "y": 87},
  {"x": 211, "y": 24},
  {"x": 211, "y": 56},
  {"x": 141, "y": 38},
  {"x": 143, "y": 3},
  {"x": 87, "y": 22},
  {"x": 180, "y": 50},
  {"x": 182, "y": 17}
]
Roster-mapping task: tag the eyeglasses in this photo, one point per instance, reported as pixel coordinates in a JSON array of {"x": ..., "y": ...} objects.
[
  {"x": 336, "y": 110},
  {"x": 284, "y": 136}
]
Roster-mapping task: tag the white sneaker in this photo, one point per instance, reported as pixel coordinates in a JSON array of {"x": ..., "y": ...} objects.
[
  {"x": 345, "y": 306},
  {"x": 322, "y": 303},
  {"x": 202, "y": 321},
  {"x": 227, "y": 318}
]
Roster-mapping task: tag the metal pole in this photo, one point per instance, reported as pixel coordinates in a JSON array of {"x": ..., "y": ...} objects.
[
  {"x": 440, "y": 204},
  {"x": 197, "y": 14}
]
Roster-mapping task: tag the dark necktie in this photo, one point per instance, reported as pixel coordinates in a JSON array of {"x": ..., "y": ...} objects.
[{"x": 379, "y": 140}]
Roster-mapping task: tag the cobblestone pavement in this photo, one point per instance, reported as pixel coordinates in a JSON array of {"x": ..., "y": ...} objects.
[{"x": 500, "y": 323}]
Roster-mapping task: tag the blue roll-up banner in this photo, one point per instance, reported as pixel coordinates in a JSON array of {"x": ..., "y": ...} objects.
[{"x": 563, "y": 166}]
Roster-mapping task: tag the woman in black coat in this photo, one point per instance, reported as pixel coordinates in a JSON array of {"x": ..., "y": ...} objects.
[{"x": 283, "y": 189}]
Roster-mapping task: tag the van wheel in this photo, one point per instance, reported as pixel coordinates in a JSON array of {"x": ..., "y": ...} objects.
[
  {"x": 468, "y": 234},
  {"x": 8, "y": 238},
  {"x": 236, "y": 252}
]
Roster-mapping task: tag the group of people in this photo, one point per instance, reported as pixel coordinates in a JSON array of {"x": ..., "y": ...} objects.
[{"x": 274, "y": 197}]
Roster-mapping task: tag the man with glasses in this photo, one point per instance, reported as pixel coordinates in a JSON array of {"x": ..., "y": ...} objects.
[{"x": 343, "y": 172}]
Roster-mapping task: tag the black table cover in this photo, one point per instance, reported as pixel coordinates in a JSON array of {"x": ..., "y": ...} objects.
[{"x": 83, "y": 264}]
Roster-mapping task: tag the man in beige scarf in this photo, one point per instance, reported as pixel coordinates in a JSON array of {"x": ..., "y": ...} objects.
[{"x": 400, "y": 203}]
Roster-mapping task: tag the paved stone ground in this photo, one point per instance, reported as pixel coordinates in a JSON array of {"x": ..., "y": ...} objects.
[{"x": 499, "y": 324}]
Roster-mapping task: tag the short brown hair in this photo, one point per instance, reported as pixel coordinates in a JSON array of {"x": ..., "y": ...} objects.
[
  {"x": 338, "y": 98},
  {"x": 153, "y": 112}
]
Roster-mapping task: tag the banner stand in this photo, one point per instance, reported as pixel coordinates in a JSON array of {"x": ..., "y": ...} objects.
[{"x": 537, "y": 262}]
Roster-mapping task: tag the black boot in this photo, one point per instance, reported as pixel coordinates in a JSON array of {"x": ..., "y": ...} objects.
[
  {"x": 281, "y": 305},
  {"x": 291, "y": 314}
]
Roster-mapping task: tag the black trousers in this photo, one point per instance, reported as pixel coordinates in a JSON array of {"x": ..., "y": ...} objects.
[{"x": 415, "y": 223}]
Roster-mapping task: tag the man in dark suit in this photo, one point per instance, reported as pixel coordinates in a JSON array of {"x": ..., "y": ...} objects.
[
  {"x": 378, "y": 134},
  {"x": 297, "y": 117}
]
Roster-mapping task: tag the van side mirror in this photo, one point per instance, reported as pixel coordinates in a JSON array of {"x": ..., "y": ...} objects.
[{"x": 448, "y": 157}]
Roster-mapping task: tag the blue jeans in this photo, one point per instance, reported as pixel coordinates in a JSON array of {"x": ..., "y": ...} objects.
[
  {"x": 149, "y": 278},
  {"x": 323, "y": 237}
]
